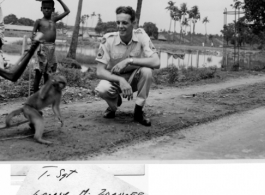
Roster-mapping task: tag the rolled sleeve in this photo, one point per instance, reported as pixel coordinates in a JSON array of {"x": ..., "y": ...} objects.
[{"x": 103, "y": 54}]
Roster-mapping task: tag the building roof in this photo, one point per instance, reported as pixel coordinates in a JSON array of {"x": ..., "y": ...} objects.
[
  {"x": 18, "y": 27},
  {"x": 94, "y": 34},
  {"x": 161, "y": 37},
  {"x": 152, "y": 37}
]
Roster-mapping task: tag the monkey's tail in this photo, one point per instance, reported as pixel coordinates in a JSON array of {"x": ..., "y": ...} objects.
[{"x": 11, "y": 115}]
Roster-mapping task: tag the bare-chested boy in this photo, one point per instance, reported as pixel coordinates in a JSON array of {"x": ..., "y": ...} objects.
[{"x": 46, "y": 53}]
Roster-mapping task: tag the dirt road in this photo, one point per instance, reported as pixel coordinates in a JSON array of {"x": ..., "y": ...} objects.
[
  {"x": 239, "y": 136},
  {"x": 88, "y": 136}
]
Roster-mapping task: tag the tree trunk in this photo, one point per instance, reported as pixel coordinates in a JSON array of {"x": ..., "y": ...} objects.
[
  {"x": 174, "y": 30},
  {"x": 74, "y": 42},
  {"x": 190, "y": 33},
  {"x": 205, "y": 34},
  {"x": 170, "y": 24},
  {"x": 138, "y": 11},
  {"x": 180, "y": 32}
]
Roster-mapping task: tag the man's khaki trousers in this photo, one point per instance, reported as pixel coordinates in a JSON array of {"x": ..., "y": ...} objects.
[{"x": 140, "y": 81}]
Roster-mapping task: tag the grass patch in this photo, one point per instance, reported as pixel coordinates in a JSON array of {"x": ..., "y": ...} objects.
[
  {"x": 14, "y": 48},
  {"x": 172, "y": 74},
  {"x": 75, "y": 78}
]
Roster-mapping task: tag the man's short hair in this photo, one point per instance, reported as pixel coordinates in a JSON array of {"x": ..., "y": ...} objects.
[
  {"x": 48, "y": 2},
  {"x": 126, "y": 10}
]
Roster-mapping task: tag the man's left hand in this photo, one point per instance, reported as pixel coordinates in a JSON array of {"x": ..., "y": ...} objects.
[{"x": 118, "y": 68}]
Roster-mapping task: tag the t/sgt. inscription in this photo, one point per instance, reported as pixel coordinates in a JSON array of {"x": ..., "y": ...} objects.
[
  {"x": 61, "y": 175},
  {"x": 65, "y": 175}
]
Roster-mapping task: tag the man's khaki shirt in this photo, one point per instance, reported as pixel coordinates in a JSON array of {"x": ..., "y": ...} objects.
[{"x": 112, "y": 50}]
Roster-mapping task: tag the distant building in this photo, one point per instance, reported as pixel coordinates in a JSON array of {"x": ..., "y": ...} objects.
[
  {"x": 10, "y": 27},
  {"x": 161, "y": 37},
  {"x": 91, "y": 34},
  {"x": 152, "y": 37}
]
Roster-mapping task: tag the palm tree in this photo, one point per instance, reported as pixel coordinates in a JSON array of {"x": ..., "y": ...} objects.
[
  {"x": 92, "y": 15},
  {"x": 185, "y": 23},
  {"x": 87, "y": 16},
  {"x": 205, "y": 21},
  {"x": 194, "y": 15},
  {"x": 175, "y": 16},
  {"x": 83, "y": 21},
  {"x": 138, "y": 11},
  {"x": 183, "y": 12},
  {"x": 169, "y": 8},
  {"x": 74, "y": 42},
  {"x": 99, "y": 18}
]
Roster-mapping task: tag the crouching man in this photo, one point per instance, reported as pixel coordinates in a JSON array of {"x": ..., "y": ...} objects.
[{"x": 126, "y": 60}]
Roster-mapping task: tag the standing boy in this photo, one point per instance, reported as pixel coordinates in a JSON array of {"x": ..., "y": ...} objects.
[{"x": 46, "y": 53}]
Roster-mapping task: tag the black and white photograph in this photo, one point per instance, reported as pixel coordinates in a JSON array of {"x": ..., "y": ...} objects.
[{"x": 134, "y": 82}]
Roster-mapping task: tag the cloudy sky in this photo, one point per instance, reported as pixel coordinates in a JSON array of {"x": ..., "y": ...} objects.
[{"x": 152, "y": 11}]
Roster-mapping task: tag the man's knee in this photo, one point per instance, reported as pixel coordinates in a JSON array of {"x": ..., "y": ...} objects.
[
  {"x": 146, "y": 72},
  {"x": 103, "y": 87}
]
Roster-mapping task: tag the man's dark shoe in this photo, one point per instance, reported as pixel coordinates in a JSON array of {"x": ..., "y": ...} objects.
[
  {"x": 109, "y": 113},
  {"x": 139, "y": 116}
]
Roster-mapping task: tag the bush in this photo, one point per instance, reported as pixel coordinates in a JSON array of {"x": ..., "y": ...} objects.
[
  {"x": 172, "y": 74},
  {"x": 76, "y": 78}
]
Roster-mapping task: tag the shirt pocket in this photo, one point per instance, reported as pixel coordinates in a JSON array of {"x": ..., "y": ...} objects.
[
  {"x": 135, "y": 53},
  {"x": 116, "y": 55}
]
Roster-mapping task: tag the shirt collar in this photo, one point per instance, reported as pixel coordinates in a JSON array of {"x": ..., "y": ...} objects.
[{"x": 119, "y": 41}]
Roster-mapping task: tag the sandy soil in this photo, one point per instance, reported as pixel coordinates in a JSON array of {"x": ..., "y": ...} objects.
[
  {"x": 86, "y": 134},
  {"x": 235, "y": 137}
]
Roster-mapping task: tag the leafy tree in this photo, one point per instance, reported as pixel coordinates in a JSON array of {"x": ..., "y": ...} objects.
[
  {"x": 228, "y": 32},
  {"x": 10, "y": 19},
  {"x": 254, "y": 12},
  {"x": 25, "y": 21},
  {"x": 106, "y": 27},
  {"x": 60, "y": 25},
  {"x": 151, "y": 29},
  {"x": 100, "y": 28},
  {"x": 111, "y": 27},
  {"x": 211, "y": 38}
]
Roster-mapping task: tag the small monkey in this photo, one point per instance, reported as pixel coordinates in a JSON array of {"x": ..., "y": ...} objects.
[{"x": 49, "y": 94}]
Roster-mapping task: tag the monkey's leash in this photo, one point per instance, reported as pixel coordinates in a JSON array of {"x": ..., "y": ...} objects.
[
  {"x": 21, "y": 137},
  {"x": 14, "y": 125}
]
